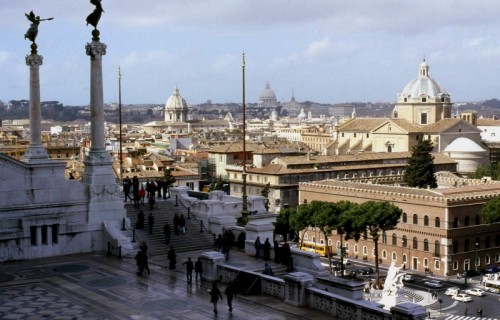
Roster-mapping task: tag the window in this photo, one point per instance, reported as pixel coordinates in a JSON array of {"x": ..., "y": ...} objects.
[
  {"x": 394, "y": 256},
  {"x": 55, "y": 233},
  {"x": 424, "y": 99},
  {"x": 437, "y": 222},
  {"x": 384, "y": 254},
  {"x": 384, "y": 237},
  {"x": 415, "y": 243},
  {"x": 356, "y": 249},
  {"x": 394, "y": 240},
  {"x": 365, "y": 250},
  {"x": 436, "y": 264},
  {"x": 423, "y": 118},
  {"x": 306, "y": 236},
  {"x": 487, "y": 260},
  {"x": 33, "y": 236},
  {"x": 329, "y": 242},
  {"x": 455, "y": 265},
  {"x": 426, "y": 263},
  {"x": 466, "y": 221},
  {"x": 405, "y": 217},
  {"x": 455, "y": 223},
  {"x": 466, "y": 245},
  {"x": 313, "y": 239},
  {"x": 426, "y": 245},
  {"x": 404, "y": 242},
  {"x": 404, "y": 258},
  {"x": 437, "y": 248},
  {"x": 415, "y": 219},
  {"x": 426, "y": 221},
  {"x": 455, "y": 246},
  {"x": 497, "y": 257},
  {"x": 44, "y": 235},
  {"x": 478, "y": 220}
]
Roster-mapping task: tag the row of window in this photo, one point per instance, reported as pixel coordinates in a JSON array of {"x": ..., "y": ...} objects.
[
  {"x": 437, "y": 221},
  {"x": 40, "y": 234}
]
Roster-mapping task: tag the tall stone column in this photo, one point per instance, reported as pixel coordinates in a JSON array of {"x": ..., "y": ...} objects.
[
  {"x": 36, "y": 152},
  {"x": 104, "y": 202}
]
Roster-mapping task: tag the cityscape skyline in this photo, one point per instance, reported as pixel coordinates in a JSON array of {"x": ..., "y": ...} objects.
[{"x": 326, "y": 52}]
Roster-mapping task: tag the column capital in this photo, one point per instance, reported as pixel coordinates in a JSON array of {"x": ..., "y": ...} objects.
[
  {"x": 34, "y": 60},
  {"x": 96, "y": 49}
]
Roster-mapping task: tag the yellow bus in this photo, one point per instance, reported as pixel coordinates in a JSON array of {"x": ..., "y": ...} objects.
[{"x": 319, "y": 248}]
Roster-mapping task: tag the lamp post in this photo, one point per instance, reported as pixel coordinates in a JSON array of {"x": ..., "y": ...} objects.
[
  {"x": 477, "y": 249},
  {"x": 244, "y": 207},
  {"x": 120, "y": 121}
]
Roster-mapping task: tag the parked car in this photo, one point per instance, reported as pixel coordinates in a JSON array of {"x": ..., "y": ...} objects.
[
  {"x": 408, "y": 278},
  {"x": 364, "y": 271},
  {"x": 462, "y": 297},
  {"x": 452, "y": 291},
  {"x": 475, "y": 292},
  {"x": 492, "y": 269},
  {"x": 434, "y": 284}
]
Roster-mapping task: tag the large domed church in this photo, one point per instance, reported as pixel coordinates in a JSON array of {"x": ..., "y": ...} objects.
[{"x": 422, "y": 111}]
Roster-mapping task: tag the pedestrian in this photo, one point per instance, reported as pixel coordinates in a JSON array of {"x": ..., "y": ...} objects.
[
  {"x": 230, "y": 294},
  {"x": 286, "y": 256},
  {"x": 151, "y": 222},
  {"x": 140, "y": 220},
  {"x": 277, "y": 251},
  {"x": 219, "y": 243},
  {"x": 166, "y": 232},
  {"x": 480, "y": 312},
  {"x": 171, "y": 256},
  {"x": 151, "y": 202},
  {"x": 135, "y": 191},
  {"x": 257, "y": 245},
  {"x": 215, "y": 295},
  {"x": 127, "y": 184},
  {"x": 189, "y": 270},
  {"x": 142, "y": 194},
  {"x": 198, "y": 268},
  {"x": 268, "y": 270},
  {"x": 176, "y": 224},
  {"x": 159, "y": 184},
  {"x": 144, "y": 247},
  {"x": 182, "y": 224},
  {"x": 138, "y": 261},
  {"x": 267, "y": 249}
]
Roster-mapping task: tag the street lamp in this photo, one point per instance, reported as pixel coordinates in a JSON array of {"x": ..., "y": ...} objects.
[{"x": 477, "y": 249}]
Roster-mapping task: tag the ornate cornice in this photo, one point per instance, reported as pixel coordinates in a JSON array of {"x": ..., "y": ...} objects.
[{"x": 95, "y": 49}]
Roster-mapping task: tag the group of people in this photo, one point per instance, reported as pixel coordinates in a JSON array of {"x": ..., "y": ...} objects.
[
  {"x": 282, "y": 254},
  {"x": 141, "y": 259},
  {"x": 139, "y": 192},
  {"x": 216, "y": 295},
  {"x": 224, "y": 242},
  {"x": 179, "y": 224},
  {"x": 140, "y": 221}
]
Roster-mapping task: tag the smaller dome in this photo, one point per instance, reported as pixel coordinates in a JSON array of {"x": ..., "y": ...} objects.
[
  {"x": 463, "y": 145},
  {"x": 176, "y": 101}
]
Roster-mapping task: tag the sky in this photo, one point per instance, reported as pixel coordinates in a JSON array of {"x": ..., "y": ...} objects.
[{"x": 318, "y": 50}]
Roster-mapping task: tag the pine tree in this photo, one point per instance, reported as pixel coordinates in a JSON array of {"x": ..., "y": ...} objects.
[
  {"x": 265, "y": 193},
  {"x": 420, "y": 169}
]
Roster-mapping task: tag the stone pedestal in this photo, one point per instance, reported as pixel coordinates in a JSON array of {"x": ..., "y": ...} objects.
[
  {"x": 408, "y": 311},
  {"x": 306, "y": 261},
  {"x": 341, "y": 286},
  {"x": 210, "y": 260},
  {"x": 256, "y": 229},
  {"x": 220, "y": 223},
  {"x": 295, "y": 288}
]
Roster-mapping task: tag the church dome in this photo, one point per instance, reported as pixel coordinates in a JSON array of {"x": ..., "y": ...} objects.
[
  {"x": 463, "y": 145},
  {"x": 175, "y": 101},
  {"x": 268, "y": 97},
  {"x": 424, "y": 87}
]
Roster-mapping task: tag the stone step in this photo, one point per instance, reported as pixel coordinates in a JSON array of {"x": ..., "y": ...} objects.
[{"x": 164, "y": 212}]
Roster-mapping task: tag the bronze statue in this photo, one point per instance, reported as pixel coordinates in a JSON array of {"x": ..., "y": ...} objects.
[
  {"x": 93, "y": 18},
  {"x": 33, "y": 30}
]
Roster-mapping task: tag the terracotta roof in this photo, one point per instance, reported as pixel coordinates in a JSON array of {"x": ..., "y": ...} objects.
[
  {"x": 233, "y": 147},
  {"x": 442, "y": 125},
  {"x": 361, "y": 124},
  {"x": 488, "y": 122},
  {"x": 406, "y": 125}
]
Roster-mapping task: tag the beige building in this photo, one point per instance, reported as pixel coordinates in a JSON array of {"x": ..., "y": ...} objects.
[{"x": 440, "y": 231}]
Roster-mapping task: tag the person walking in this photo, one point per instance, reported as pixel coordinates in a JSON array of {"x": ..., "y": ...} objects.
[
  {"x": 142, "y": 194},
  {"x": 198, "y": 268},
  {"x": 230, "y": 293},
  {"x": 267, "y": 249},
  {"x": 257, "y": 245},
  {"x": 171, "y": 256},
  {"x": 151, "y": 222},
  {"x": 189, "y": 269},
  {"x": 167, "y": 232},
  {"x": 176, "y": 224},
  {"x": 138, "y": 261},
  {"x": 182, "y": 224},
  {"x": 215, "y": 295},
  {"x": 140, "y": 220}
]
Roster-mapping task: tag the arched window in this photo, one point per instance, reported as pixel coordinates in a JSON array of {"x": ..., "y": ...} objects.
[
  {"x": 437, "y": 248},
  {"x": 455, "y": 265},
  {"x": 415, "y": 219},
  {"x": 405, "y": 242},
  {"x": 394, "y": 239},
  {"x": 437, "y": 222},
  {"x": 404, "y": 258},
  {"x": 478, "y": 220},
  {"x": 365, "y": 250},
  {"x": 384, "y": 237},
  {"x": 384, "y": 254},
  {"x": 426, "y": 245},
  {"x": 405, "y": 217},
  {"x": 356, "y": 248},
  {"x": 436, "y": 264},
  {"x": 455, "y": 246},
  {"x": 394, "y": 256},
  {"x": 466, "y": 221},
  {"x": 426, "y": 263},
  {"x": 455, "y": 223},
  {"x": 497, "y": 240},
  {"x": 426, "y": 221},
  {"x": 466, "y": 245},
  {"x": 415, "y": 243}
]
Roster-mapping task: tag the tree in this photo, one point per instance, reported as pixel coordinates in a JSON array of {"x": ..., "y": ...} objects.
[
  {"x": 489, "y": 170},
  {"x": 265, "y": 193},
  {"x": 490, "y": 213},
  {"x": 420, "y": 169},
  {"x": 326, "y": 219},
  {"x": 168, "y": 179},
  {"x": 302, "y": 219},
  {"x": 377, "y": 217},
  {"x": 217, "y": 185},
  {"x": 282, "y": 224}
]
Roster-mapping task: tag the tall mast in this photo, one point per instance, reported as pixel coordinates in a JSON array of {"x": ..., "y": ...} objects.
[
  {"x": 120, "y": 120},
  {"x": 244, "y": 208}
]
